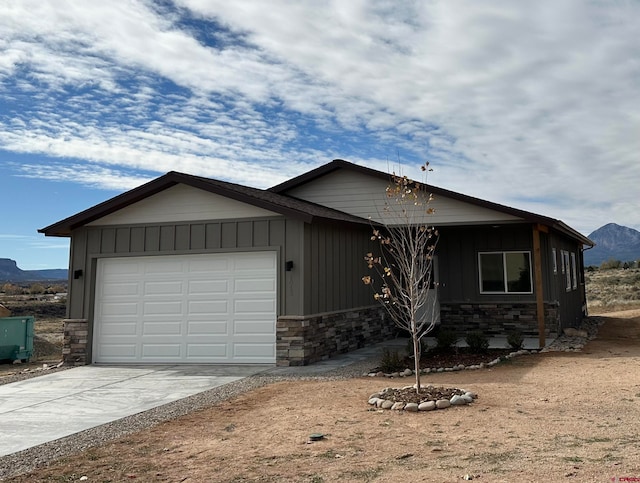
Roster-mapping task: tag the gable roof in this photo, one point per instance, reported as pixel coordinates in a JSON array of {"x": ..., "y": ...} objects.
[
  {"x": 527, "y": 216},
  {"x": 269, "y": 200}
]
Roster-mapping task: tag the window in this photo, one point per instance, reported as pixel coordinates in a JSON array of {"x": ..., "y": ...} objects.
[
  {"x": 505, "y": 272},
  {"x": 554, "y": 258},
  {"x": 566, "y": 269},
  {"x": 574, "y": 272}
]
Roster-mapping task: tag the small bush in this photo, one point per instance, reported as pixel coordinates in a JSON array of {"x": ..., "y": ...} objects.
[
  {"x": 515, "y": 340},
  {"x": 391, "y": 361},
  {"x": 445, "y": 339},
  {"x": 477, "y": 341}
]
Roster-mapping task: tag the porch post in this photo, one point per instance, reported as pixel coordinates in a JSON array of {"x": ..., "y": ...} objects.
[{"x": 539, "y": 289}]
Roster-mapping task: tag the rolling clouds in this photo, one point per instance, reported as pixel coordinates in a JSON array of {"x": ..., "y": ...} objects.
[{"x": 531, "y": 104}]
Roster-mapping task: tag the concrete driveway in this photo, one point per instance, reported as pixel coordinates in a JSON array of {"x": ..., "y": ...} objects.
[{"x": 52, "y": 406}]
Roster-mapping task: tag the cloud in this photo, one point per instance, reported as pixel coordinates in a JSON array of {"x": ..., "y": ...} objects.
[{"x": 530, "y": 104}]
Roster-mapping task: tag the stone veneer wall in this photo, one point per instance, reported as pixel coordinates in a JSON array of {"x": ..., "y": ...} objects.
[
  {"x": 75, "y": 342},
  {"x": 498, "y": 318},
  {"x": 302, "y": 340}
]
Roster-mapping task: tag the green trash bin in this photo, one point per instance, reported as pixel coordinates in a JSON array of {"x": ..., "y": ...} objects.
[{"x": 16, "y": 338}]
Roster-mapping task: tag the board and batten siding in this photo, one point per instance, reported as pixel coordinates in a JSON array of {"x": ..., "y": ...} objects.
[
  {"x": 364, "y": 196},
  {"x": 334, "y": 267},
  {"x": 458, "y": 249},
  {"x": 275, "y": 234},
  {"x": 183, "y": 203}
]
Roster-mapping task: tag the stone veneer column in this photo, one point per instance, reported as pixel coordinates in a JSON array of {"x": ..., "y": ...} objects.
[{"x": 75, "y": 342}]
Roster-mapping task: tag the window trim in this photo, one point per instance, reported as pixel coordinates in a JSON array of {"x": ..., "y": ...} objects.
[
  {"x": 566, "y": 269},
  {"x": 554, "y": 255},
  {"x": 574, "y": 271},
  {"x": 504, "y": 274}
]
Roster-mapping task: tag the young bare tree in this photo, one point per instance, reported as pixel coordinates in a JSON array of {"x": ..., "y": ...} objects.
[{"x": 403, "y": 270}]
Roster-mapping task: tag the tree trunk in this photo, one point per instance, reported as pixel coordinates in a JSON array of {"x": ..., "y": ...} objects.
[{"x": 416, "y": 358}]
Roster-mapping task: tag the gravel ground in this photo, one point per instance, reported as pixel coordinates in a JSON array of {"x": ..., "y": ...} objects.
[{"x": 38, "y": 456}]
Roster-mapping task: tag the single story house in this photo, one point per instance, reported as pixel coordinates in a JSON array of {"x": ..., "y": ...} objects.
[{"x": 186, "y": 269}]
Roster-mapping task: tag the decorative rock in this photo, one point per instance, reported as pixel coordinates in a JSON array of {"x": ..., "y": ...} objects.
[
  {"x": 394, "y": 374},
  {"x": 379, "y": 402},
  {"x": 467, "y": 399},
  {"x": 443, "y": 403},
  {"x": 427, "y": 406},
  {"x": 386, "y": 404},
  {"x": 472, "y": 395},
  {"x": 411, "y": 407},
  {"x": 399, "y": 406},
  {"x": 379, "y": 374},
  {"x": 407, "y": 372},
  {"x": 457, "y": 400},
  {"x": 373, "y": 401}
]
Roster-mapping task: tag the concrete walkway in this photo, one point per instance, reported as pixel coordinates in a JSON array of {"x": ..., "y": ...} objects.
[{"x": 48, "y": 407}]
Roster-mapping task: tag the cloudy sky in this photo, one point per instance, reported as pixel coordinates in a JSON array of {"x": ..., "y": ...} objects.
[{"x": 531, "y": 104}]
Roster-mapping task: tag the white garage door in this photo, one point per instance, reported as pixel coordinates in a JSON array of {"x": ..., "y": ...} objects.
[{"x": 186, "y": 308}]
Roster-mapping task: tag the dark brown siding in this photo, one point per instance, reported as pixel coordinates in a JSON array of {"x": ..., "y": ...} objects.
[
  {"x": 457, "y": 252},
  {"x": 334, "y": 267}
]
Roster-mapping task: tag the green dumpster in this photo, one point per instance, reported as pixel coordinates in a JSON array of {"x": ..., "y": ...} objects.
[{"x": 16, "y": 338}]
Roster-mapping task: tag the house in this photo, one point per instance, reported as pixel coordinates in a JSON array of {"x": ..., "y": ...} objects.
[{"x": 186, "y": 269}]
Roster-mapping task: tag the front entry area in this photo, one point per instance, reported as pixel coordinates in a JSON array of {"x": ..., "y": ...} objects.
[{"x": 206, "y": 308}]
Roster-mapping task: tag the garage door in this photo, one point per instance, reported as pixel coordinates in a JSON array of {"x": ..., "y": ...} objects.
[{"x": 186, "y": 308}]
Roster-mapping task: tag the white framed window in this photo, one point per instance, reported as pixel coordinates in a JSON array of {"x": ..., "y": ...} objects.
[
  {"x": 574, "y": 272},
  {"x": 566, "y": 269},
  {"x": 505, "y": 272},
  {"x": 554, "y": 258}
]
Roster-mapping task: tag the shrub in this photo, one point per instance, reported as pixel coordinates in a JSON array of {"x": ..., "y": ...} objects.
[
  {"x": 477, "y": 341},
  {"x": 445, "y": 339},
  {"x": 391, "y": 361},
  {"x": 515, "y": 340}
]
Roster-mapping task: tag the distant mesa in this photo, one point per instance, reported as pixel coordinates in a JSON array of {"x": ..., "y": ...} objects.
[
  {"x": 9, "y": 272},
  {"x": 613, "y": 242}
]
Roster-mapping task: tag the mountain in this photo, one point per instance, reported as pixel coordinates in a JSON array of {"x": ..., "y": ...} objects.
[
  {"x": 613, "y": 242},
  {"x": 9, "y": 272}
]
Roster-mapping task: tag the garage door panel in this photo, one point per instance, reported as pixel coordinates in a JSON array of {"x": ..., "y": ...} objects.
[
  {"x": 208, "y": 287},
  {"x": 119, "y": 309},
  {"x": 215, "y": 307},
  {"x": 116, "y": 328},
  {"x": 253, "y": 262},
  {"x": 245, "y": 327},
  {"x": 167, "y": 287},
  {"x": 252, "y": 306},
  {"x": 250, "y": 351},
  {"x": 163, "y": 266},
  {"x": 124, "y": 289},
  {"x": 221, "y": 263},
  {"x": 162, "y": 308},
  {"x": 161, "y": 328},
  {"x": 207, "y": 351},
  {"x": 254, "y": 286},
  {"x": 195, "y": 329},
  {"x": 117, "y": 352},
  {"x": 186, "y": 308},
  {"x": 161, "y": 351},
  {"x": 121, "y": 268}
]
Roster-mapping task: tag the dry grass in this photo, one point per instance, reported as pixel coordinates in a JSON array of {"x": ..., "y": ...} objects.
[{"x": 613, "y": 290}]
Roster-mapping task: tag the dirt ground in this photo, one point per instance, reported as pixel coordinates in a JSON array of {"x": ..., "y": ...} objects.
[{"x": 545, "y": 417}]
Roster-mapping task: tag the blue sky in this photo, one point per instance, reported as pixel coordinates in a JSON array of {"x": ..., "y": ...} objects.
[{"x": 535, "y": 105}]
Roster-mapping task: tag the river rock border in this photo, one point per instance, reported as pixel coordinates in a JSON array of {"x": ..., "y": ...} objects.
[
  {"x": 460, "y": 367},
  {"x": 463, "y": 398}
]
